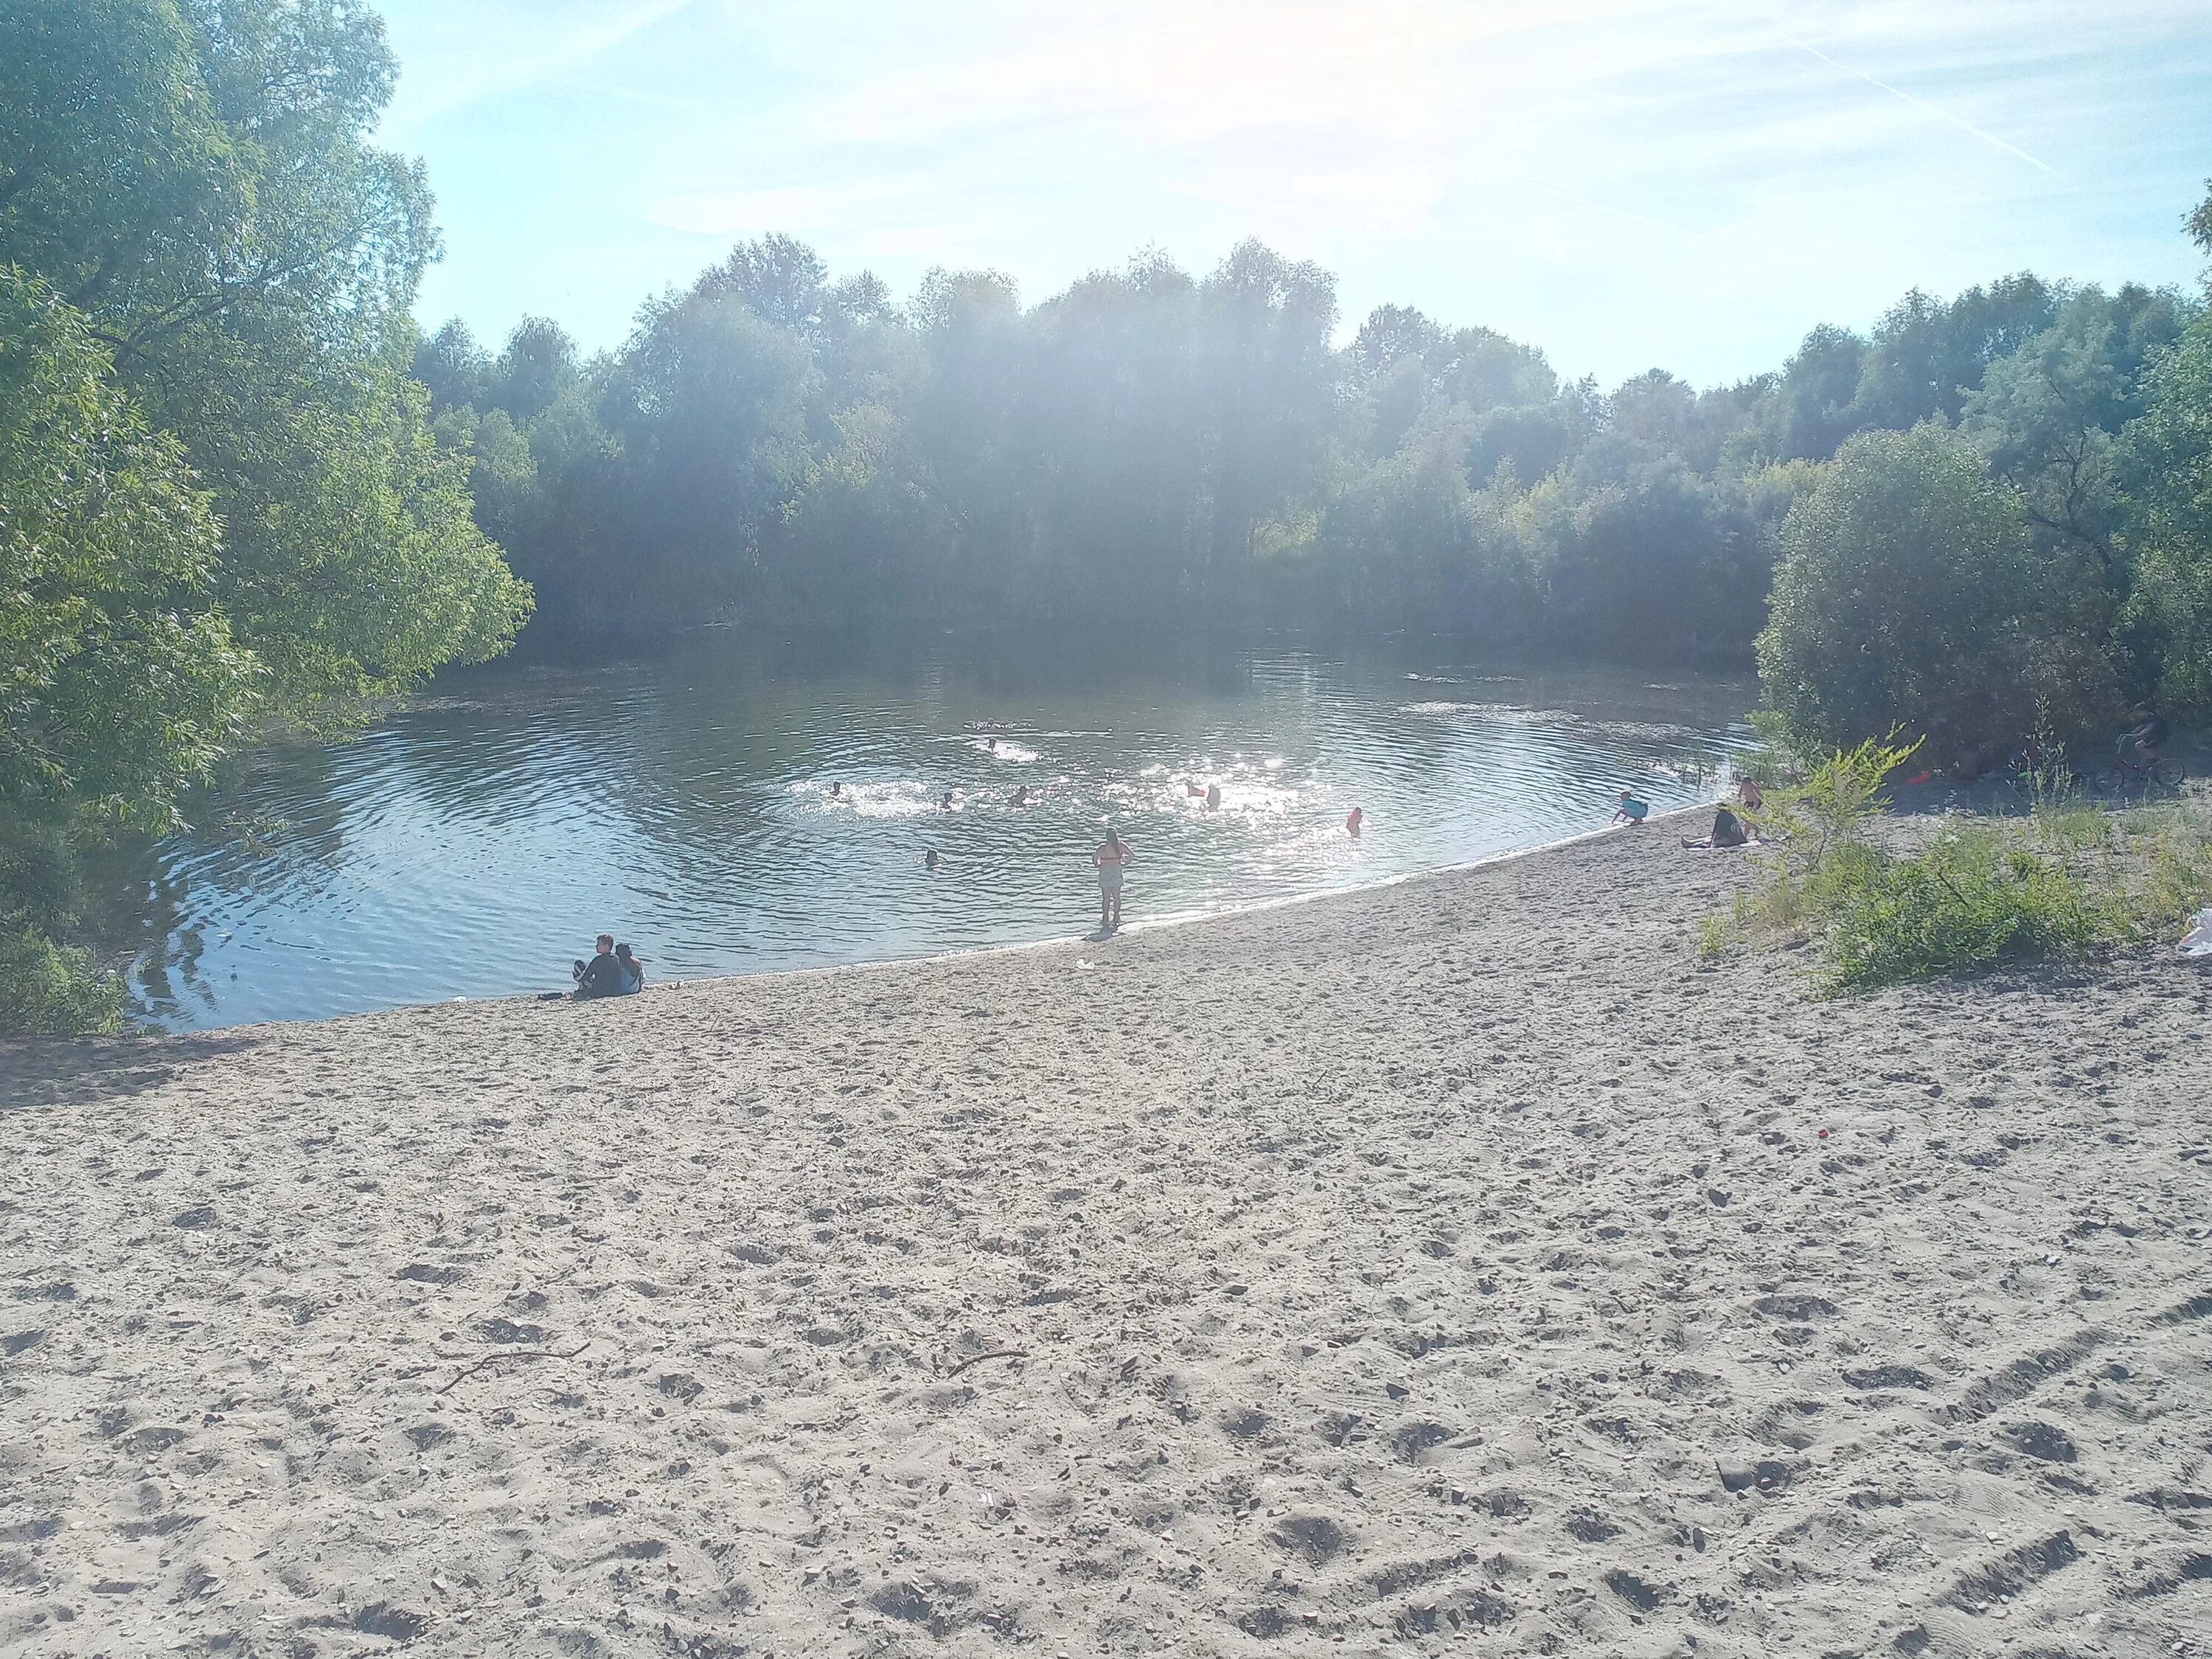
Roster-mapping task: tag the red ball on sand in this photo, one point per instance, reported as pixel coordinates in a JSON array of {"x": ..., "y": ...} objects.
[{"x": 1824, "y": 1135}]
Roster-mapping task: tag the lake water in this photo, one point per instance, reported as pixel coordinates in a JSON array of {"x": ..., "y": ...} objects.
[{"x": 472, "y": 845}]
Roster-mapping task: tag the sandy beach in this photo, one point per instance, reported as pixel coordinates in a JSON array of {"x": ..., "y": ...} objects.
[{"x": 1461, "y": 1264}]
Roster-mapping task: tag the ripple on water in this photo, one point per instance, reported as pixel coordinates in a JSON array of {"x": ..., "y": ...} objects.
[{"x": 477, "y": 844}]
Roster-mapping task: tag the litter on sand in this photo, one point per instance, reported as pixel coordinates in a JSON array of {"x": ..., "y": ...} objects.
[{"x": 2198, "y": 941}]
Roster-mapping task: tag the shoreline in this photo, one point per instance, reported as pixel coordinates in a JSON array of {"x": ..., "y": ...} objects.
[
  {"x": 961, "y": 953},
  {"x": 1459, "y": 1265}
]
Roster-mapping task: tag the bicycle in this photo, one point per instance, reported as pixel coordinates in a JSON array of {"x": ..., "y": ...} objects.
[{"x": 2130, "y": 771}]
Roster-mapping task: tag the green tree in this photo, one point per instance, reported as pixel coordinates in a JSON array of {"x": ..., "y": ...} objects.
[
  {"x": 2168, "y": 453},
  {"x": 195, "y": 176},
  {"x": 1909, "y": 594},
  {"x": 120, "y": 684},
  {"x": 1927, "y": 356},
  {"x": 2048, "y": 414}
]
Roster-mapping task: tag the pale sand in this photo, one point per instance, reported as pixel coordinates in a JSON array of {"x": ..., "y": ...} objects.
[{"x": 1456, "y": 1263}]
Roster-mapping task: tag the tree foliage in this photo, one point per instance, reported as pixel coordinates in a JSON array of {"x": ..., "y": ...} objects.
[
  {"x": 222, "y": 500},
  {"x": 1156, "y": 447},
  {"x": 1909, "y": 594},
  {"x": 196, "y": 178},
  {"x": 120, "y": 683}
]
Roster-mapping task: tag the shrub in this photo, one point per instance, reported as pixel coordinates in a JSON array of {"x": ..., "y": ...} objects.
[
  {"x": 2070, "y": 878},
  {"x": 1970, "y": 899},
  {"x": 1909, "y": 594},
  {"x": 57, "y": 990}
]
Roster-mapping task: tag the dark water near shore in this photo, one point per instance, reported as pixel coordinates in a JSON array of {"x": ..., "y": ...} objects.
[{"x": 470, "y": 846}]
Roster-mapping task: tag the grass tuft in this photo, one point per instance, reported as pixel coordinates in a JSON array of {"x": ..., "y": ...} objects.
[{"x": 2070, "y": 879}]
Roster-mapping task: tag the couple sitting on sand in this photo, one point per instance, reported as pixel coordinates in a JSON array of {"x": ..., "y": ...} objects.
[{"x": 614, "y": 972}]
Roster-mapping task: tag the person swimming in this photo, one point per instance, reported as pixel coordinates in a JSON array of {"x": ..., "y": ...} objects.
[
  {"x": 836, "y": 790},
  {"x": 991, "y": 744},
  {"x": 946, "y": 804},
  {"x": 1213, "y": 797},
  {"x": 1352, "y": 821},
  {"x": 1020, "y": 797},
  {"x": 930, "y": 860}
]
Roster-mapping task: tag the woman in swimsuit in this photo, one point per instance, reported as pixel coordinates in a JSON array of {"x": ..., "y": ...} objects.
[{"x": 1111, "y": 858}]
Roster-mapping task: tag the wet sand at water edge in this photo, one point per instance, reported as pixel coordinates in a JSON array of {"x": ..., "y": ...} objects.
[{"x": 1455, "y": 1265}]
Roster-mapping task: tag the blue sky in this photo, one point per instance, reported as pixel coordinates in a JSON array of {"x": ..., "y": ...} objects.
[{"x": 1625, "y": 184}]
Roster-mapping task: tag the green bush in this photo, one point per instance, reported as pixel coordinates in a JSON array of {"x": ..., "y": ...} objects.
[
  {"x": 57, "y": 990},
  {"x": 1909, "y": 593},
  {"x": 2070, "y": 879},
  {"x": 1970, "y": 899}
]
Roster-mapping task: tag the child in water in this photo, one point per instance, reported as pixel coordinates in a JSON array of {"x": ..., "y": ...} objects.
[{"x": 1633, "y": 809}]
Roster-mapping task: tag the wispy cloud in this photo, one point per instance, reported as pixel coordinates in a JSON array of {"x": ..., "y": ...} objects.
[
  {"x": 1693, "y": 179},
  {"x": 484, "y": 50},
  {"x": 1941, "y": 114}
]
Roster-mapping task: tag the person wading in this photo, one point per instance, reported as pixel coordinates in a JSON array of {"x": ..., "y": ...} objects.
[{"x": 1111, "y": 858}]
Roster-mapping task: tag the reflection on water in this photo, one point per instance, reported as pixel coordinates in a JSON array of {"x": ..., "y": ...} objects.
[{"x": 473, "y": 845}]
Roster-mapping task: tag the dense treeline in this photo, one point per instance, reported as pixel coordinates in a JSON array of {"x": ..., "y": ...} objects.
[
  {"x": 239, "y": 488},
  {"x": 222, "y": 504},
  {"x": 1154, "y": 448}
]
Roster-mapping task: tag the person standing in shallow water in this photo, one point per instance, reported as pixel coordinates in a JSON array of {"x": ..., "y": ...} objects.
[{"x": 1111, "y": 858}]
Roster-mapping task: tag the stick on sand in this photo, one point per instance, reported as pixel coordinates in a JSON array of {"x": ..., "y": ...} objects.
[{"x": 512, "y": 1354}]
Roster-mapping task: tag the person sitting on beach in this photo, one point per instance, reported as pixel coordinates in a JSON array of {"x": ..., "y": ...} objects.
[
  {"x": 602, "y": 975},
  {"x": 1352, "y": 820},
  {"x": 1633, "y": 809},
  {"x": 633, "y": 971},
  {"x": 1727, "y": 831},
  {"x": 1112, "y": 858}
]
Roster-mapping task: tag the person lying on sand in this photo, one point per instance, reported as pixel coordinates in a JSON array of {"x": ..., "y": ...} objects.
[
  {"x": 602, "y": 975},
  {"x": 1633, "y": 809},
  {"x": 1727, "y": 831}
]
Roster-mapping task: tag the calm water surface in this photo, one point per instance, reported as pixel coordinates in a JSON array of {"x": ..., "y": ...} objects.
[{"x": 473, "y": 846}]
